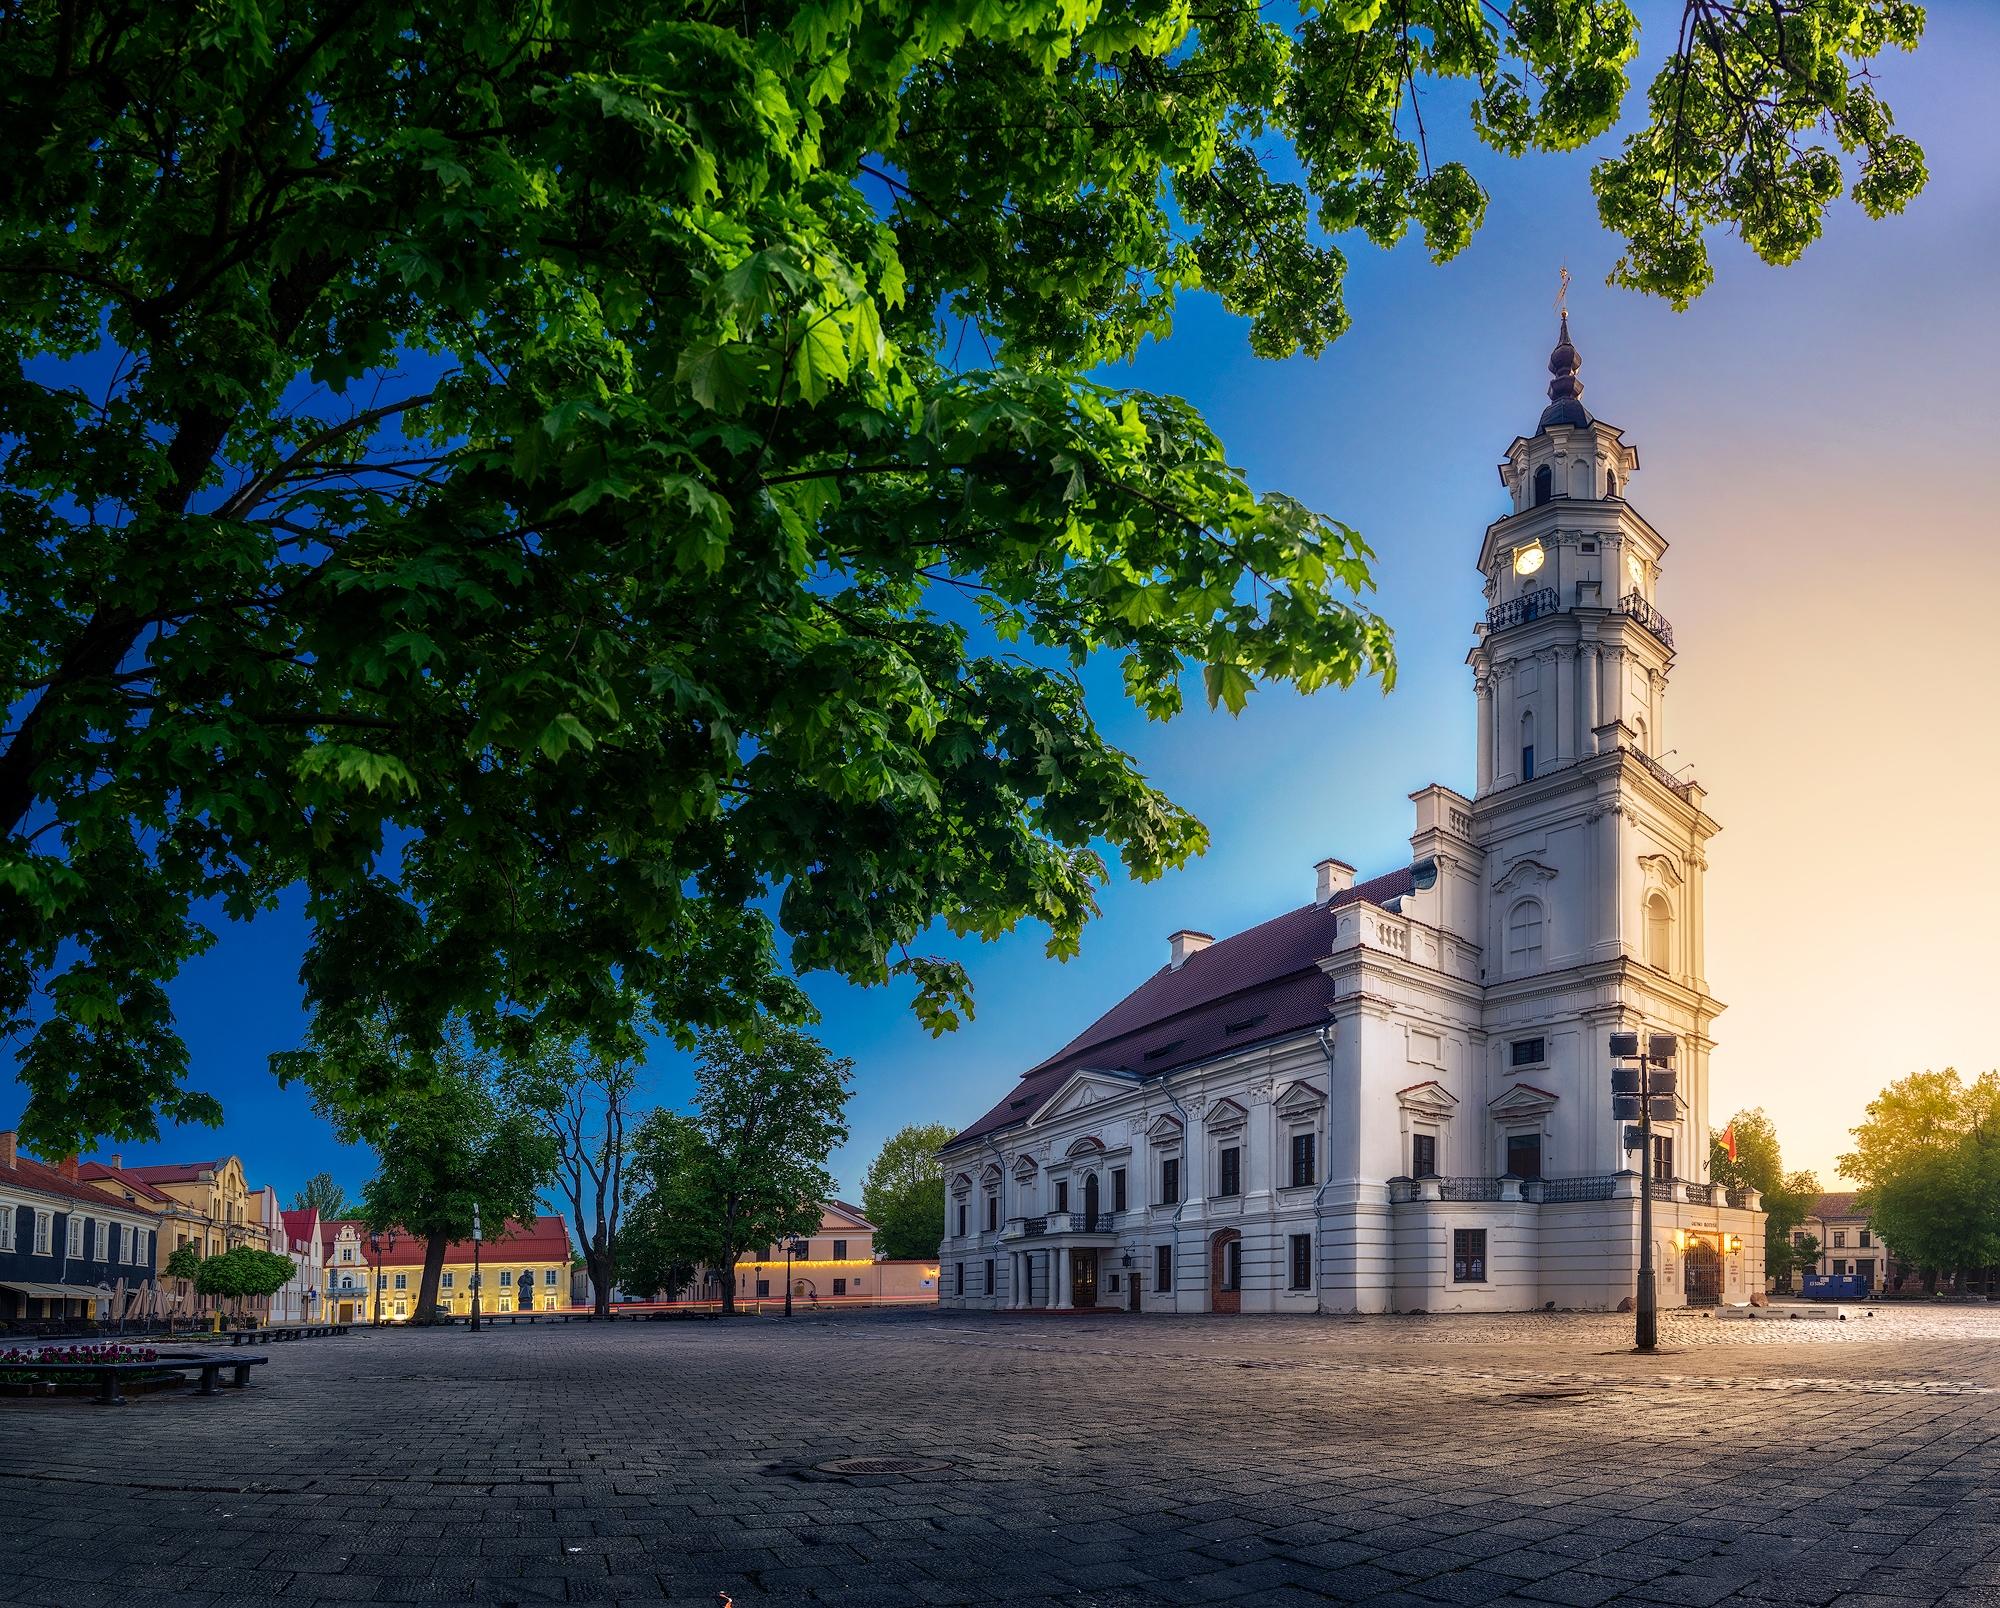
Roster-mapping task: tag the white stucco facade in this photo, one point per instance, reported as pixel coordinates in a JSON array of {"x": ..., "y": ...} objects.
[{"x": 1419, "y": 1115}]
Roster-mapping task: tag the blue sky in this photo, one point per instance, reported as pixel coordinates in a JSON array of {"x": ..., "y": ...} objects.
[{"x": 1816, "y": 443}]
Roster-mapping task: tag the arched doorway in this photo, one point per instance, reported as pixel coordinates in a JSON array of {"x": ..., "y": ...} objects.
[
  {"x": 1225, "y": 1271},
  {"x": 1090, "y": 1201},
  {"x": 1702, "y": 1261}
]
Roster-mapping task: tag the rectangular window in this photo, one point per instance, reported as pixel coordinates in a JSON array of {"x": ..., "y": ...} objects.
[
  {"x": 1663, "y": 1155},
  {"x": 76, "y": 1233},
  {"x": 1118, "y": 1189},
  {"x": 1529, "y": 1051},
  {"x": 1163, "y": 1268},
  {"x": 1840, "y": 1236},
  {"x": 1170, "y": 1180},
  {"x": 1524, "y": 1155},
  {"x": 961, "y": 1219},
  {"x": 840, "y": 1250},
  {"x": 403, "y": 1281},
  {"x": 506, "y": 1275},
  {"x": 1302, "y": 1261},
  {"x": 446, "y": 1280},
  {"x": 1867, "y": 1240},
  {"x": 1468, "y": 1255},
  {"x": 1231, "y": 1170},
  {"x": 991, "y": 1287},
  {"x": 992, "y": 1213},
  {"x": 1423, "y": 1155},
  {"x": 139, "y": 1247},
  {"x": 763, "y": 1287},
  {"x": 1062, "y": 1195},
  {"x": 840, "y": 1286},
  {"x": 959, "y": 1270},
  {"x": 1799, "y": 1239},
  {"x": 549, "y": 1276},
  {"x": 346, "y": 1252},
  {"x": 6, "y": 1226},
  {"x": 42, "y": 1232},
  {"x": 1527, "y": 762},
  {"x": 1305, "y": 1158},
  {"x": 403, "y": 1308}
]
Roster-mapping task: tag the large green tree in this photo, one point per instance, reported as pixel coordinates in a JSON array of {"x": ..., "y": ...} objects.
[
  {"x": 1759, "y": 1164},
  {"x": 1927, "y": 1155},
  {"x": 448, "y": 1139},
  {"x": 747, "y": 1166},
  {"x": 584, "y": 1102},
  {"x": 903, "y": 1192},
  {"x": 322, "y": 1193},
  {"x": 513, "y": 473}
]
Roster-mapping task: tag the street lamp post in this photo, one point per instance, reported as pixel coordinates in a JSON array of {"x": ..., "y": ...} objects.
[
  {"x": 475, "y": 1270},
  {"x": 1645, "y": 1089},
  {"x": 792, "y": 1248}
]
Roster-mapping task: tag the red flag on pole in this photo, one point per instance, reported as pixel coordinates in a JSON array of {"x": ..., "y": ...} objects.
[{"x": 1729, "y": 1140}]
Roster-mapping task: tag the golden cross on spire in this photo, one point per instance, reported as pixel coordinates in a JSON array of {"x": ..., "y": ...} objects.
[{"x": 1562, "y": 289}]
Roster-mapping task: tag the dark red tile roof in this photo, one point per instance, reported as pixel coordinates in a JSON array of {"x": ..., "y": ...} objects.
[
  {"x": 1838, "y": 1204},
  {"x": 299, "y": 1228},
  {"x": 546, "y": 1239},
  {"x": 1261, "y": 983},
  {"x": 126, "y": 1178},
  {"x": 28, "y": 1173}
]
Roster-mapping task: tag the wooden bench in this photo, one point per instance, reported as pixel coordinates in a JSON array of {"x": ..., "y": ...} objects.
[
  {"x": 107, "y": 1373},
  {"x": 288, "y": 1331}
]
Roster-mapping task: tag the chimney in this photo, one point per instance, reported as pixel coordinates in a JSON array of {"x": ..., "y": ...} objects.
[
  {"x": 9, "y": 1148},
  {"x": 1184, "y": 943},
  {"x": 117, "y": 1161},
  {"x": 1335, "y": 876},
  {"x": 67, "y": 1167}
]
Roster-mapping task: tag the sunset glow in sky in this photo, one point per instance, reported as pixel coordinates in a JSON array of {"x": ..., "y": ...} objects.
[{"x": 1818, "y": 444}]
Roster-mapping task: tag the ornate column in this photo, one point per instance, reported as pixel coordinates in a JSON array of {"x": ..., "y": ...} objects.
[
  {"x": 1590, "y": 669},
  {"x": 1482, "y": 686},
  {"x": 1061, "y": 1271},
  {"x": 1565, "y": 673},
  {"x": 1506, "y": 762}
]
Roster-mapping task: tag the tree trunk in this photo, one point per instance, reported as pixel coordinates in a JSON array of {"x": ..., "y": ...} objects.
[
  {"x": 427, "y": 1286},
  {"x": 603, "y": 1269}
]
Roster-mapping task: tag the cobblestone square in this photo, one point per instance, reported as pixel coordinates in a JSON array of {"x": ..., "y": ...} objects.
[{"x": 1276, "y": 1461}]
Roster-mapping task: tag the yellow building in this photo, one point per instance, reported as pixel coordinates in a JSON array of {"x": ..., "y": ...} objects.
[
  {"x": 836, "y": 1263},
  {"x": 523, "y": 1268},
  {"x": 206, "y": 1204}
]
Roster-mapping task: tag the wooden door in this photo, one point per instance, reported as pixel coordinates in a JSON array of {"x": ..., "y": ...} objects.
[
  {"x": 1225, "y": 1271},
  {"x": 1083, "y": 1277}
]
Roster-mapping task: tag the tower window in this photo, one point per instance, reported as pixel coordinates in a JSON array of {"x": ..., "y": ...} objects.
[
  {"x": 1524, "y": 937},
  {"x": 1545, "y": 482},
  {"x": 1659, "y": 931},
  {"x": 1610, "y": 484},
  {"x": 1528, "y": 746}
]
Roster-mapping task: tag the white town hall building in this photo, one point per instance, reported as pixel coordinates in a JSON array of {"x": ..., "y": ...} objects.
[{"x": 1397, "y": 1097}]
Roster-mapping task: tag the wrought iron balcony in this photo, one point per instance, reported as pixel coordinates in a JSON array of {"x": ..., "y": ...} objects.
[
  {"x": 1662, "y": 774},
  {"x": 1636, "y": 607},
  {"x": 1518, "y": 611}
]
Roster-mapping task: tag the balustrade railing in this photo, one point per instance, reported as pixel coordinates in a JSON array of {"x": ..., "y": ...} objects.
[
  {"x": 1468, "y": 1189},
  {"x": 1519, "y": 610},
  {"x": 1701, "y": 1194},
  {"x": 1665, "y": 776},
  {"x": 1738, "y": 1198},
  {"x": 1032, "y": 1226},
  {"x": 1558, "y": 1190},
  {"x": 1634, "y": 606}
]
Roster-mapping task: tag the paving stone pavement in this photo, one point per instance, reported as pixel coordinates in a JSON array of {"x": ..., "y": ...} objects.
[{"x": 1402, "y": 1462}]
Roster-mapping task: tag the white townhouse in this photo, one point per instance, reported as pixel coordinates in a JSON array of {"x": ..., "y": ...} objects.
[{"x": 1397, "y": 1096}]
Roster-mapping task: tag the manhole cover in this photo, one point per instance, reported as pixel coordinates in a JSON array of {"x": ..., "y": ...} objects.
[{"x": 879, "y": 1465}]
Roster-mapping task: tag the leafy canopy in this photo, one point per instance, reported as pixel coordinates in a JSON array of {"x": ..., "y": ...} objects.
[
  {"x": 508, "y": 471},
  {"x": 746, "y": 1167},
  {"x": 1760, "y": 1165},
  {"x": 903, "y": 1191},
  {"x": 1928, "y": 1157},
  {"x": 243, "y": 1271},
  {"x": 323, "y": 1194}
]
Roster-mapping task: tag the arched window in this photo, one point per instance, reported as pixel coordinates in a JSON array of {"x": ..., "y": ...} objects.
[
  {"x": 1639, "y": 736},
  {"x": 1659, "y": 931},
  {"x": 1528, "y": 746},
  {"x": 1610, "y": 483},
  {"x": 1524, "y": 937},
  {"x": 1545, "y": 483}
]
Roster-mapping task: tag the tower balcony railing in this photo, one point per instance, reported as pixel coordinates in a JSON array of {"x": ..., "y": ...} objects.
[
  {"x": 1661, "y": 774},
  {"x": 1635, "y": 607},
  {"x": 1519, "y": 610}
]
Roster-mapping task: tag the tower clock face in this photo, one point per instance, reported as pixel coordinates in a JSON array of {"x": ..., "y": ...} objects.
[
  {"x": 1635, "y": 570},
  {"x": 1528, "y": 559}
]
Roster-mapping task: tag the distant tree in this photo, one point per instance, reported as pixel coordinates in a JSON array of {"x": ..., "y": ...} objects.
[
  {"x": 903, "y": 1192},
  {"x": 185, "y": 1264},
  {"x": 446, "y": 1137},
  {"x": 1759, "y": 1165},
  {"x": 1927, "y": 1156},
  {"x": 583, "y": 1102},
  {"x": 748, "y": 1165},
  {"x": 243, "y": 1273},
  {"x": 323, "y": 1195}
]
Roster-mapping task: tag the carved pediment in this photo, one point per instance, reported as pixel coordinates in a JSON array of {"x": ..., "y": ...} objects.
[
  {"x": 1166, "y": 1130},
  {"x": 962, "y": 1184},
  {"x": 1024, "y": 1168},
  {"x": 1663, "y": 868},
  {"x": 1429, "y": 1098},
  {"x": 1088, "y": 1145},
  {"x": 1523, "y": 1100},
  {"x": 1081, "y": 1090},
  {"x": 1225, "y": 1116},
  {"x": 990, "y": 1178},
  {"x": 1526, "y": 872},
  {"x": 1300, "y": 1098}
]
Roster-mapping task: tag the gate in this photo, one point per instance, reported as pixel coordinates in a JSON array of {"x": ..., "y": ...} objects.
[{"x": 1703, "y": 1264}]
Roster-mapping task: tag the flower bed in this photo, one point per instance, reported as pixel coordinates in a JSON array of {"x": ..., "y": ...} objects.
[{"x": 20, "y": 1377}]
